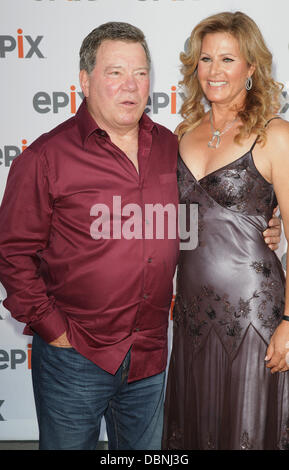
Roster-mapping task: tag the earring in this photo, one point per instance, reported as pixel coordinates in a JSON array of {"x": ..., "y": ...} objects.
[{"x": 249, "y": 83}]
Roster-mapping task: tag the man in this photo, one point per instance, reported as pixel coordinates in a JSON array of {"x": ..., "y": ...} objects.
[{"x": 96, "y": 305}]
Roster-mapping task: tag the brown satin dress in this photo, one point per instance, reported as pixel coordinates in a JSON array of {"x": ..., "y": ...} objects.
[{"x": 229, "y": 300}]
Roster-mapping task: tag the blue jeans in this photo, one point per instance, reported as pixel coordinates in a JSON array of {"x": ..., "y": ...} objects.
[{"x": 72, "y": 394}]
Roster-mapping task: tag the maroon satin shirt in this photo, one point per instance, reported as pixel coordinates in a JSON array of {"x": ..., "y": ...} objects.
[{"x": 110, "y": 293}]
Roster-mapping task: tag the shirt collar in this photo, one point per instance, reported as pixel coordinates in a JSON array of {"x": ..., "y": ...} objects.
[
  {"x": 87, "y": 125},
  {"x": 146, "y": 123}
]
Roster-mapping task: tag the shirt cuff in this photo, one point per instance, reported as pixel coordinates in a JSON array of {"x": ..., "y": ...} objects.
[{"x": 50, "y": 327}]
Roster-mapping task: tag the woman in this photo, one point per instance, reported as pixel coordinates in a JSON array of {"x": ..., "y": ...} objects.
[{"x": 222, "y": 390}]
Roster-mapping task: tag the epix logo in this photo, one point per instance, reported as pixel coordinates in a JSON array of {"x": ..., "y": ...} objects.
[
  {"x": 68, "y": 0},
  {"x": 159, "y": 100},
  {"x": 9, "y": 152},
  {"x": 285, "y": 99},
  {"x": 1, "y": 417},
  {"x": 44, "y": 102},
  {"x": 24, "y": 45},
  {"x": 172, "y": 0},
  {"x": 11, "y": 359}
]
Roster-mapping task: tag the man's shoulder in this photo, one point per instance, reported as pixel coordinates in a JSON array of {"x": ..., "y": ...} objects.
[
  {"x": 150, "y": 123},
  {"x": 164, "y": 132},
  {"x": 46, "y": 144},
  {"x": 60, "y": 133}
]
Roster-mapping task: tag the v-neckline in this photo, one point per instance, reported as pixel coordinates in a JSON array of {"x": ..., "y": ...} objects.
[
  {"x": 249, "y": 152},
  {"x": 218, "y": 169}
]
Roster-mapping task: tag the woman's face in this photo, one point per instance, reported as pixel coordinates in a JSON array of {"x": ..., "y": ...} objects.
[{"x": 222, "y": 70}]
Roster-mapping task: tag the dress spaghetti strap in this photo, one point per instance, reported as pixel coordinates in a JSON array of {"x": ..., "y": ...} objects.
[{"x": 255, "y": 141}]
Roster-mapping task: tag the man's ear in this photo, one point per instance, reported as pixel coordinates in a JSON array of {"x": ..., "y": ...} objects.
[{"x": 84, "y": 82}]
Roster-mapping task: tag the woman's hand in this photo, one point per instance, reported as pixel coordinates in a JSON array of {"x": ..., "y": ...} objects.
[{"x": 278, "y": 349}]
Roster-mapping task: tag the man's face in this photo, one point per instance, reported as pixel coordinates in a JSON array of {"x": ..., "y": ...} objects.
[{"x": 117, "y": 89}]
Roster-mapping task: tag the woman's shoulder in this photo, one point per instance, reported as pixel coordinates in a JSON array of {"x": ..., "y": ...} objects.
[
  {"x": 277, "y": 125},
  {"x": 278, "y": 132}
]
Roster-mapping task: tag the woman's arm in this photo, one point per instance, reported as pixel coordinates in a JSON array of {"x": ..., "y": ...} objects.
[{"x": 278, "y": 153}]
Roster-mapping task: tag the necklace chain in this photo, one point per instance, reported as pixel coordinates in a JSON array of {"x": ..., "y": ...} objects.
[{"x": 216, "y": 137}]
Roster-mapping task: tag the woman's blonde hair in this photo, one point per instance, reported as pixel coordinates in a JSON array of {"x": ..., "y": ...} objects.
[{"x": 262, "y": 101}]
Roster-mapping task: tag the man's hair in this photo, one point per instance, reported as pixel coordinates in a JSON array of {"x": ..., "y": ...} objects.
[{"x": 112, "y": 31}]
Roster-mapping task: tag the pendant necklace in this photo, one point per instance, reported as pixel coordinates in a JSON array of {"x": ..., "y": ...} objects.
[{"x": 216, "y": 137}]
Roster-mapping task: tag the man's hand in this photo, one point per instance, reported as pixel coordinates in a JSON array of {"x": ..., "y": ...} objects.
[
  {"x": 272, "y": 234},
  {"x": 278, "y": 349},
  {"x": 61, "y": 342}
]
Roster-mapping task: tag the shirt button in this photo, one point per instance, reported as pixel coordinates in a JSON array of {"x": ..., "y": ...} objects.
[
  {"x": 150, "y": 260},
  {"x": 136, "y": 330},
  {"x": 145, "y": 296}
]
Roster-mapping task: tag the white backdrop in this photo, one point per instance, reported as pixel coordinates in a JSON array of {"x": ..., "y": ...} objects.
[{"x": 39, "y": 44}]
